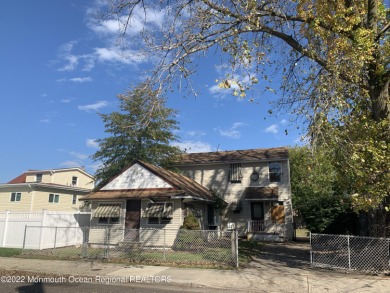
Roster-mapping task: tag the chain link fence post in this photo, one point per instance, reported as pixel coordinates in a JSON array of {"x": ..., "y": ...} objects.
[
  {"x": 165, "y": 243},
  {"x": 236, "y": 236}
]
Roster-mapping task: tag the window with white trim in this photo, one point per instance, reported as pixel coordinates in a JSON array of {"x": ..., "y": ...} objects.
[
  {"x": 16, "y": 196},
  {"x": 38, "y": 178},
  {"x": 54, "y": 198},
  {"x": 159, "y": 213},
  {"x": 74, "y": 199},
  {"x": 275, "y": 171},
  {"x": 74, "y": 180}
]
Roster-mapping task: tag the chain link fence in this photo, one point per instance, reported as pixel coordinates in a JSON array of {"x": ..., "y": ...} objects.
[
  {"x": 366, "y": 254},
  {"x": 147, "y": 246}
]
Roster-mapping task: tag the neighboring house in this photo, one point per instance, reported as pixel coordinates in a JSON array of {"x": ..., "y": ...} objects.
[
  {"x": 53, "y": 190},
  {"x": 143, "y": 197},
  {"x": 255, "y": 184}
]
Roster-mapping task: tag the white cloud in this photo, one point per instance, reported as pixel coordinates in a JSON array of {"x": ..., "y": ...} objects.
[
  {"x": 194, "y": 146},
  {"x": 195, "y": 133},
  {"x": 141, "y": 20},
  {"x": 70, "y": 61},
  {"x": 92, "y": 143},
  {"x": 70, "y": 164},
  {"x": 283, "y": 122},
  {"x": 79, "y": 155},
  {"x": 80, "y": 79},
  {"x": 66, "y": 101},
  {"x": 65, "y": 53},
  {"x": 274, "y": 128},
  {"x": 45, "y": 120},
  {"x": 232, "y": 132},
  {"x": 94, "y": 167},
  {"x": 117, "y": 56},
  {"x": 93, "y": 107}
]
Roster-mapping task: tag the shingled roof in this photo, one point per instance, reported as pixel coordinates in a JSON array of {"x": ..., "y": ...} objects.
[
  {"x": 252, "y": 155},
  {"x": 20, "y": 179},
  {"x": 182, "y": 186}
]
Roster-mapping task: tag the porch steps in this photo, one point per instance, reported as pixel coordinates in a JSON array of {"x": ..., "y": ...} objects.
[
  {"x": 130, "y": 244},
  {"x": 266, "y": 237}
]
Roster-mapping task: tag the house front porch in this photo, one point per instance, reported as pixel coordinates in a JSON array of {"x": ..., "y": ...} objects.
[{"x": 265, "y": 230}]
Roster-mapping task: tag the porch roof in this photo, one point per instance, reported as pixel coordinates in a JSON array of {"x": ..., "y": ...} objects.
[
  {"x": 134, "y": 194},
  {"x": 261, "y": 193}
]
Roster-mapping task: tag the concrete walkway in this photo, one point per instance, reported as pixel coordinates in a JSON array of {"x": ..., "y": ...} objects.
[{"x": 259, "y": 278}]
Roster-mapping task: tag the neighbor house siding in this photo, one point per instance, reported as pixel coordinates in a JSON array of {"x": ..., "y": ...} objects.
[
  {"x": 23, "y": 205},
  {"x": 46, "y": 177},
  {"x": 65, "y": 178},
  {"x": 41, "y": 201}
]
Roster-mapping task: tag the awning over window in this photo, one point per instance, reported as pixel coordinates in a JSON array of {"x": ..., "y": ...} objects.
[
  {"x": 261, "y": 193},
  {"x": 168, "y": 211},
  {"x": 108, "y": 211},
  {"x": 156, "y": 210}
]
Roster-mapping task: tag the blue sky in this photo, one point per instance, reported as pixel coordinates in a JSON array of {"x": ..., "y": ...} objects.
[{"x": 59, "y": 69}]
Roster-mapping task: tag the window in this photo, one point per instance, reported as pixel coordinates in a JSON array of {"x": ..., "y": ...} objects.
[
  {"x": 108, "y": 220},
  {"x": 54, "y": 198},
  {"x": 74, "y": 199},
  {"x": 74, "y": 181},
  {"x": 235, "y": 173},
  {"x": 108, "y": 213},
  {"x": 38, "y": 178},
  {"x": 275, "y": 171},
  {"x": 16, "y": 196},
  {"x": 159, "y": 213}
]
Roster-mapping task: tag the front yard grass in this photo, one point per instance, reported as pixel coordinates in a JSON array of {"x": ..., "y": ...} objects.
[
  {"x": 248, "y": 249},
  {"x": 211, "y": 257},
  {"x": 9, "y": 252}
]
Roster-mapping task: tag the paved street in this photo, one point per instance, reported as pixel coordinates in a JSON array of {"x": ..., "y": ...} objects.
[
  {"x": 99, "y": 288},
  {"x": 278, "y": 268}
]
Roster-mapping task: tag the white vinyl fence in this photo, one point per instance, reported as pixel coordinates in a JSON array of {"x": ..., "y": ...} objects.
[{"x": 13, "y": 228}]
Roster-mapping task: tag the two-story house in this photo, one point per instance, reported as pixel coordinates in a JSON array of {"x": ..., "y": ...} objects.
[
  {"x": 255, "y": 184},
  {"x": 54, "y": 190}
]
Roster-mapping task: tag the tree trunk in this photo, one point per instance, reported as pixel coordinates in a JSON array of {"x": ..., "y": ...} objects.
[{"x": 380, "y": 102}]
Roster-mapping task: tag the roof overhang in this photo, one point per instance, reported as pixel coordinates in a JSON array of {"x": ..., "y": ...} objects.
[
  {"x": 151, "y": 194},
  {"x": 39, "y": 186},
  {"x": 261, "y": 193}
]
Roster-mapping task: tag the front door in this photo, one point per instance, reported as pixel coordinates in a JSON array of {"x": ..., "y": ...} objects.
[
  {"x": 133, "y": 217},
  {"x": 257, "y": 217},
  {"x": 257, "y": 211}
]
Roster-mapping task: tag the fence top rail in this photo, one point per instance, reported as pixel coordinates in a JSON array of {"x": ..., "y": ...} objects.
[
  {"x": 350, "y": 236},
  {"x": 61, "y": 227}
]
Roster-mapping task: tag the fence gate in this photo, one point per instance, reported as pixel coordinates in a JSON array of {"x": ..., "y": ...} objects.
[{"x": 366, "y": 254}]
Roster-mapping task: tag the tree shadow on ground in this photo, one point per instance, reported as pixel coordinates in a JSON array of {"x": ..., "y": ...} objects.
[{"x": 291, "y": 254}]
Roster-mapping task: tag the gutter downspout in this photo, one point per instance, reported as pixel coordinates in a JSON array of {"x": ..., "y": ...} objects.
[{"x": 32, "y": 198}]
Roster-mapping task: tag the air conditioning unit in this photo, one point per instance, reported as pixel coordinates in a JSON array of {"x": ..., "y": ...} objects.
[{"x": 231, "y": 226}]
